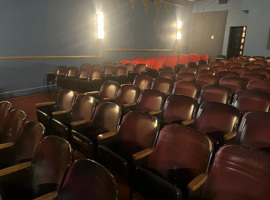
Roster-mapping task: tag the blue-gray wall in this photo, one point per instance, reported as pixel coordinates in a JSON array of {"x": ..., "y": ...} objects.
[{"x": 68, "y": 28}]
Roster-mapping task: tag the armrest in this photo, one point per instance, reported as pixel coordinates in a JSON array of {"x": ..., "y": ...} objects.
[
  {"x": 48, "y": 196},
  {"x": 197, "y": 182},
  {"x": 108, "y": 99},
  {"x": 14, "y": 168},
  {"x": 51, "y": 73},
  {"x": 95, "y": 93},
  {"x": 106, "y": 135},
  {"x": 127, "y": 105},
  {"x": 142, "y": 154},
  {"x": 187, "y": 122},
  {"x": 45, "y": 104},
  {"x": 60, "y": 112},
  {"x": 6, "y": 145},
  {"x": 155, "y": 112},
  {"x": 77, "y": 123},
  {"x": 229, "y": 136}
]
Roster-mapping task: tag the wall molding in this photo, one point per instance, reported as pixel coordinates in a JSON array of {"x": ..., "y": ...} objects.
[{"x": 90, "y": 56}]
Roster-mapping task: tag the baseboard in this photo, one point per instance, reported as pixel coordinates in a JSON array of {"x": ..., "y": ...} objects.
[{"x": 10, "y": 94}]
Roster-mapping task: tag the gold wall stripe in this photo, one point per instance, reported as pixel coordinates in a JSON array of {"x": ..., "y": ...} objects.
[{"x": 90, "y": 56}]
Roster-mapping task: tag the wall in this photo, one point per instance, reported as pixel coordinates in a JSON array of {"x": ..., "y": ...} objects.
[
  {"x": 68, "y": 28},
  {"x": 257, "y": 22},
  {"x": 236, "y": 17}
]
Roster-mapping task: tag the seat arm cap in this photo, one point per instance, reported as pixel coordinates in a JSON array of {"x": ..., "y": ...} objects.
[
  {"x": 142, "y": 154},
  {"x": 197, "y": 182}
]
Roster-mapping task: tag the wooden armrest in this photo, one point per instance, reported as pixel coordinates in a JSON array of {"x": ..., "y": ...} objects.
[
  {"x": 155, "y": 112},
  {"x": 108, "y": 98},
  {"x": 79, "y": 122},
  {"x": 141, "y": 154},
  {"x": 229, "y": 136},
  {"x": 197, "y": 182},
  {"x": 51, "y": 73},
  {"x": 45, "y": 104},
  {"x": 187, "y": 122},
  {"x": 129, "y": 105},
  {"x": 48, "y": 196},
  {"x": 61, "y": 112},
  {"x": 98, "y": 79},
  {"x": 106, "y": 135},
  {"x": 91, "y": 93},
  {"x": 14, "y": 168},
  {"x": 6, "y": 145}
]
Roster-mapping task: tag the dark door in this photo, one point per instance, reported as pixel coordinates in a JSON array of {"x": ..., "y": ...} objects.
[{"x": 236, "y": 41}]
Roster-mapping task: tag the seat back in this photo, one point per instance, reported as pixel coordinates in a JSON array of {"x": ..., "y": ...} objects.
[
  {"x": 120, "y": 70},
  {"x": 235, "y": 84},
  {"x": 220, "y": 68},
  {"x": 181, "y": 153},
  {"x": 206, "y": 79},
  {"x": 150, "y": 100},
  {"x": 240, "y": 70},
  {"x": 52, "y": 159},
  {"x": 83, "y": 108},
  {"x": 186, "y": 88},
  {"x": 216, "y": 119},
  {"x": 184, "y": 76},
  {"x": 164, "y": 85},
  {"x": 238, "y": 173},
  {"x": 139, "y": 68},
  {"x": 251, "y": 66},
  {"x": 254, "y": 130},
  {"x": 109, "y": 89},
  {"x": 253, "y": 76},
  {"x": 178, "y": 108},
  {"x": 143, "y": 81},
  {"x": 169, "y": 74},
  {"x": 188, "y": 70},
  {"x": 233, "y": 65},
  {"x": 12, "y": 126},
  {"x": 5, "y": 108},
  {"x": 137, "y": 131},
  {"x": 65, "y": 100},
  {"x": 72, "y": 72},
  {"x": 263, "y": 71},
  {"x": 88, "y": 179},
  {"x": 227, "y": 74},
  {"x": 106, "y": 117},
  {"x": 261, "y": 85},
  {"x": 215, "y": 93},
  {"x": 108, "y": 70},
  {"x": 95, "y": 74},
  {"x": 251, "y": 100},
  {"x": 127, "y": 94},
  {"x": 28, "y": 140}
]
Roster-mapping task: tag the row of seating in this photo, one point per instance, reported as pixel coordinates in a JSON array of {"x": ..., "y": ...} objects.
[
  {"x": 118, "y": 149},
  {"x": 33, "y": 164}
]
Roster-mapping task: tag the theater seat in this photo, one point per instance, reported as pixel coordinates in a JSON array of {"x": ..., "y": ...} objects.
[
  {"x": 215, "y": 93},
  {"x": 237, "y": 173},
  {"x": 186, "y": 88},
  {"x": 164, "y": 85},
  {"x": 251, "y": 100},
  {"x": 216, "y": 120},
  {"x": 180, "y": 155},
  {"x": 84, "y": 136},
  {"x": 81, "y": 112},
  {"x": 43, "y": 175},
  {"x": 108, "y": 90},
  {"x": 143, "y": 81},
  {"x": 5, "y": 108},
  {"x": 87, "y": 179},
  {"x": 45, "y": 110},
  {"x": 254, "y": 130},
  {"x": 12, "y": 126},
  {"x": 24, "y": 147},
  {"x": 137, "y": 132}
]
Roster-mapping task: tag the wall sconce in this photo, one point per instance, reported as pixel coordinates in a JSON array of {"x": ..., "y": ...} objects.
[
  {"x": 100, "y": 25},
  {"x": 179, "y": 27}
]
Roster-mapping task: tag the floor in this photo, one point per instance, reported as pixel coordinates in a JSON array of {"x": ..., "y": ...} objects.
[{"x": 28, "y": 105}]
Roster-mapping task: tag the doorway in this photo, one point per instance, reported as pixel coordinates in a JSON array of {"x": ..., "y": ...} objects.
[{"x": 236, "y": 41}]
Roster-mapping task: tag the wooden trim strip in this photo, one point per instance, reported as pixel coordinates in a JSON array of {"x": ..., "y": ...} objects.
[
  {"x": 176, "y": 4},
  {"x": 90, "y": 56}
]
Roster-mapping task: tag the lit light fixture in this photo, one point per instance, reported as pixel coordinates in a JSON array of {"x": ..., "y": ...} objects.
[
  {"x": 100, "y": 25},
  {"x": 179, "y": 24},
  {"x": 179, "y": 35},
  {"x": 179, "y": 27}
]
